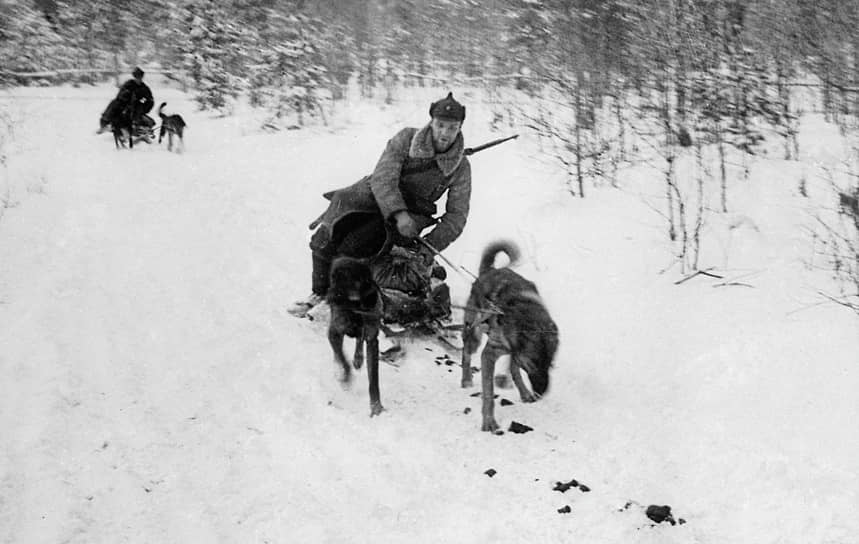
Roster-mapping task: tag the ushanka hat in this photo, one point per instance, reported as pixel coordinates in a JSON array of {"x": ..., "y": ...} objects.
[{"x": 448, "y": 108}]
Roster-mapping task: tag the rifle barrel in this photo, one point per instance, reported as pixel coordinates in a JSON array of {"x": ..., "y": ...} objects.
[{"x": 473, "y": 150}]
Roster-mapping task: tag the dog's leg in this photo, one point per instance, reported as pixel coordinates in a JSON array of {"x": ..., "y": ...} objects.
[
  {"x": 335, "y": 338},
  {"x": 491, "y": 353},
  {"x": 467, "y": 380},
  {"x": 373, "y": 373},
  {"x": 161, "y": 132},
  {"x": 358, "y": 359},
  {"x": 169, "y": 141},
  {"x": 471, "y": 335},
  {"x": 516, "y": 372}
]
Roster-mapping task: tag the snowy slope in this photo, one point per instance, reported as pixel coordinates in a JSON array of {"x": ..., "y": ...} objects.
[{"x": 155, "y": 390}]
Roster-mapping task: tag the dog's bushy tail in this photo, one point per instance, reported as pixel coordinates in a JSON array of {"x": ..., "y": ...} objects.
[
  {"x": 508, "y": 247},
  {"x": 160, "y": 108}
]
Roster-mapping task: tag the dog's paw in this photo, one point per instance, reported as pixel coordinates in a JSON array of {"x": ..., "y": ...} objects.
[
  {"x": 529, "y": 397},
  {"x": 376, "y": 408},
  {"x": 358, "y": 362},
  {"x": 467, "y": 382},
  {"x": 490, "y": 425}
]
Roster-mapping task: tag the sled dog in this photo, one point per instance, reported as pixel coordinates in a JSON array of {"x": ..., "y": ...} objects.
[
  {"x": 171, "y": 125},
  {"x": 356, "y": 311},
  {"x": 119, "y": 120},
  {"x": 507, "y": 308}
]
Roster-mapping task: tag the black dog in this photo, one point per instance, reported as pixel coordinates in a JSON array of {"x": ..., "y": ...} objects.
[
  {"x": 171, "y": 125},
  {"x": 119, "y": 119},
  {"x": 356, "y": 311},
  {"x": 508, "y": 308}
]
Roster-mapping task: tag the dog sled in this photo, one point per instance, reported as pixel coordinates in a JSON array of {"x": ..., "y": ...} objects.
[
  {"x": 115, "y": 115},
  {"x": 416, "y": 306},
  {"x": 415, "y": 299},
  {"x": 143, "y": 130}
]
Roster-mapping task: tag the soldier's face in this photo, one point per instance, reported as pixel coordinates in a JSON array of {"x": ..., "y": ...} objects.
[{"x": 444, "y": 132}]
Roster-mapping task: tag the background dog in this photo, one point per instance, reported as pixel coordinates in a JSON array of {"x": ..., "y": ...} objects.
[
  {"x": 171, "y": 125},
  {"x": 508, "y": 308},
  {"x": 120, "y": 121},
  {"x": 356, "y": 311}
]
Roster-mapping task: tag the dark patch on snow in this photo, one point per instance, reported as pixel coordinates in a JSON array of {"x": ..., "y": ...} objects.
[
  {"x": 564, "y": 487},
  {"x": 519, "y": 428},
  {"x": 491, "y": 472},
  {"x": 660, "y": 514}
]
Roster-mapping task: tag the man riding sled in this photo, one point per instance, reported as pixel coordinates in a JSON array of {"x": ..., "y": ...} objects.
[{"x": 384, "y": 214}]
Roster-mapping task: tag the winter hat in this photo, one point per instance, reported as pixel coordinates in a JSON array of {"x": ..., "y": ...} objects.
[
  {"x": 137, "y": 72},
  {"x": 448, "y": 108}
]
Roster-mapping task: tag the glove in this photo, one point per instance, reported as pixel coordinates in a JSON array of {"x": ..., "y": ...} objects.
[
  {"x": 426, "y": 255},
  {"x": 406, "y": 226}
]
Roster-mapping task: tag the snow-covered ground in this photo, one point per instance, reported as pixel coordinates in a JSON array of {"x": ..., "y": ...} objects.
[{"x": 155, "y": 390}]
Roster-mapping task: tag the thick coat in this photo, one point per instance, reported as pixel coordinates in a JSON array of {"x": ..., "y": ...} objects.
[
  {"x": 411, "y": 176},
  {"x": 137, "y": 94}
]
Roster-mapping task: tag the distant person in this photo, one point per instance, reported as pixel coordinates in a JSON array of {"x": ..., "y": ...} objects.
[
  {"x": 396, "y": 203},
  {"x": 136, "y": 94}
]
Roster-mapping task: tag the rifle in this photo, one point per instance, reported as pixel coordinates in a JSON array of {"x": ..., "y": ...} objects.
[{"x": 473, "y": 150}]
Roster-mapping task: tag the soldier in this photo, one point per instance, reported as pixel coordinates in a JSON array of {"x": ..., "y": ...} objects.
[{"x": 396, "y": 203}]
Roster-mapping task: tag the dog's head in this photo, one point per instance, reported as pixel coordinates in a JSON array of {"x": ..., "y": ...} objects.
[
  {"x": 103, "y": 124},
  {"x": 352, "y": 284},
  {"x": 537, "y": 355}
]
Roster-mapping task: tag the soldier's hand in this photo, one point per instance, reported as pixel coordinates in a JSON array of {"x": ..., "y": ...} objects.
[
  {"x": 426, "y": 255},
  {"x": 406, "y": 225}
]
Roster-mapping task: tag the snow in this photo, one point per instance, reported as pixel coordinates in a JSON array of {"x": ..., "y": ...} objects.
[{"x": 155, "y": 390}]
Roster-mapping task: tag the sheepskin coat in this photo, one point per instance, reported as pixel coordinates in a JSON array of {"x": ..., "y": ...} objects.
[{"x": 411, "y": 176}]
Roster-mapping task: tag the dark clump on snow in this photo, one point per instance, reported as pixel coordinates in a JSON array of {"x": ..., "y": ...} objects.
[
  {"x": 467, "y": 410},
  {"x": 519, "y": 428},
  {"x": 445, "y": 360},
  {"x": 660, "y": 514},
  {"x": 505, "y": 402},
  {"x": 565, "y": 510},
  {"x": 655, "y": 513},
  {"x": 564, "y": 487},
  {"x": 491, "y": 472},
  {"x": 479, "y": 393}
]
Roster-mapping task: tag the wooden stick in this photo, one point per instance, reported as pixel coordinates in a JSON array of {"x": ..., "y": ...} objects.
[{"x": 697, "y": 273}]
